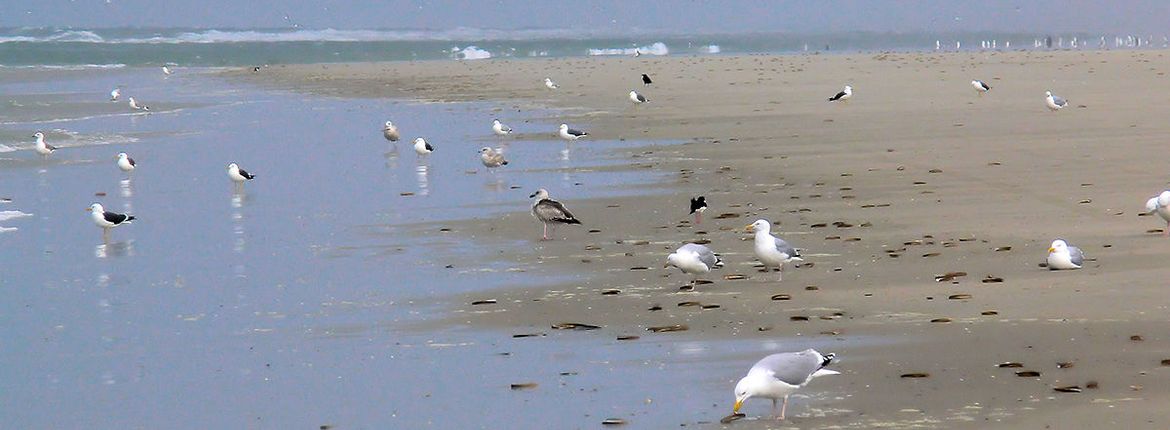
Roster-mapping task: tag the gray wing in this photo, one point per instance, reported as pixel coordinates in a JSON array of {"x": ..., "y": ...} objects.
[
  {"x": 706, "y": 255},
  {"x": 1077, "y": 257},
  {"x": 793, "y": 368},
  {"x": 1059, "y": 101},
  {"x": 784, "y": 247},
  {"x": 552, "y": 210}
]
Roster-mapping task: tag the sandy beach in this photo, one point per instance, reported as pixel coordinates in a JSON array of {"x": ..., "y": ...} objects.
[{"x": 915, "y": 177}]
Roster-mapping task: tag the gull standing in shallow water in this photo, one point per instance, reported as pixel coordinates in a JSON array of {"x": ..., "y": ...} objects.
[
  {"x": 1062, "y": 256},
  {"x": 570, "y": 134},
  {"x": 389, "y": 131},
  {"x": 500, "y": 129},
  {"x": 1160, "y": 204},
  {"x": 772, "y": 251},
  {"x": 550, "y": 84},
  {"x": 1054, "y": 103},
  {"x": 550, "y": 211},
  {"x": 126, "y": 163},
  {"x": 492, "y": 158},
  {"x": 778, "y": 375},
  {"x": 107, "y": 220},
  {"x": 41, "y": 147},
  {"x": 693, "y": 259},
  {"x": 115, "y": 93},
  {"x": 421, "y": 147},
  {"x": 238, "y": 175},
  {"x": 134, "y": 105}
]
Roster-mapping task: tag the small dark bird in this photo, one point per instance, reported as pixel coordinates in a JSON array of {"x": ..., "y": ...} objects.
[
  {"x": 646, "y": 79},
  {"x": 698, "y": 206}
]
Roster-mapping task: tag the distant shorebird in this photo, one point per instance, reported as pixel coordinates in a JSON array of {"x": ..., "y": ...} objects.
[
  {"x": 421, "y": 147},
  {"x": 698, "y": 206},
  {"x": 491, "y": 158},
  {"x": 238, "y": 175},
  {"x": 844, "y": 95},
  {"x": 1160, "y": 204},
  {"x": 1055, "y": 103},
  {"x": 1062, "y": 256},
  {"x": 771, "y": 250},
  {"x": 779, "y": 375},
  {"x": 980, "y": 86},
  {"x": 389, "y": 131},
  {"x": 115, "y": 93},
  {"x": 571, "y": 134},
  {"x": 549, "y": 211},
  {"x": 637, "y": 98},
  {"x": 136, "y": 106},
  {"x": 126, "y": 163},
  {"x": 693, "y": 259},
  {"x": 41, "y": 147},
  {"x": 646, "y": 79},
  {"x": 500, "y": 128},
  {"x": 167, "y": 70},
  {"x": 550, "y": 84},
  {"x": 107, "y": 220}
]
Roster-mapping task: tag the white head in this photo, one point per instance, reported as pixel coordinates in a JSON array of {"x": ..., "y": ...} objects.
[
  {"x": 760, "y": 226},
  {"x": 633, "y": 93},
  {"x": 389, "y": 125},
  {"x": 1059, "y": 246},
  {"x": 564, "y": 127},
  {"x": 40, "y": 136},
  {"x": 1152, "y": 204},
  {"x": 745, "y": 388},
  {"x": 233, "y": 167},
  {"x": 1048, "y": 93},
  {"x": 975, "y": 82},
  {"x": 848, "y": 89},
  {"x": 96, "y": 208},
  {"x": 419, "y": 141},
  {"x": 485, "y": 150},
  {"x": 547, "y": 80},
  {"x": 122, "y": 155},
  {"x": 495, "y": 122},
  {"x": 539, "y": 195},
  {"x": 1164, "y": 199}
]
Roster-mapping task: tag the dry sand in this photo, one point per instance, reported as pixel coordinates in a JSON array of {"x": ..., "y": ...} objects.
[{"x": 921, "y": 176}]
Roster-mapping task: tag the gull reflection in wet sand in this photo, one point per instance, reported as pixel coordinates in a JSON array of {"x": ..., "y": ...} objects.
[
  {"x": 239, "y": 197},
  {"x": 114, "y": 249},
  {"x": 391, "y": 156},
  {"x": 421, "y": 175},
  {"x": 126, "y": 186}
]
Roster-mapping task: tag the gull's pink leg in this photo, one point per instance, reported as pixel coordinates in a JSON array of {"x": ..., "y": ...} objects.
[
  {"x": 1166, "y": 232},
  {"x": 784, "y": 408},
  {"x": 545, "y": 237}
]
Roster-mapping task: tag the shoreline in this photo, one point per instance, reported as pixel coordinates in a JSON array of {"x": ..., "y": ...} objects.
[{"x": 917, "y": 176}]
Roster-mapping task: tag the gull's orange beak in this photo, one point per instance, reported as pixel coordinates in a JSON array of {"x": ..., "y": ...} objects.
[
  {"x": 89, "y": 209},
  {"x": 1051, "y": 250},
  {"x": 749, "y": 228},
  {"x": 738, "y": 404}
]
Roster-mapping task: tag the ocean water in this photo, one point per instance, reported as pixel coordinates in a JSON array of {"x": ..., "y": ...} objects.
[{"x": 228, "y": 47}]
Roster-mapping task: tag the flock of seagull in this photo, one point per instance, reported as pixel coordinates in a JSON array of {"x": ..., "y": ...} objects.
[{"x": 774, "y": 377}]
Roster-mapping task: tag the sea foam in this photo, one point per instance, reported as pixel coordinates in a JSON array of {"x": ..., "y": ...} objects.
[{"x": 656, "y": 48}]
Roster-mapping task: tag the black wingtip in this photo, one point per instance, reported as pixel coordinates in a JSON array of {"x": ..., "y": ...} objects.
[
  {"x": 505, "y": 162},
  {"x": 828, "y": 359},
  {"x": 130, "y": 218}
]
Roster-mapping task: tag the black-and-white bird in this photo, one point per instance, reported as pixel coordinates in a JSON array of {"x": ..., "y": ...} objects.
[
  {"x": 637, "y": 98},
  {"x": 779, "y": 375},
  {"x": 571, "y": 134},
  {"x": 167, "y": 70},
  {"x": 550, "y": 84},
  {"x": 646, "y": 80},
  {"x": 115, "y": 93},
  {"x": 492, "y": 158},
  {"x": 41, "y": 147},
  {"x": 390, "y": 131},
  {"x": 980, "y": 86},
  {"x": 771, "y": 250},
  {"x": 239, "y": 175},
  {"x": 698, "y": 206},
  {"x": 550, "y": 212},
  {"x": 107, "y": 220},
  {"x": 694, "y": 259},
  {"x": 844, "y": 95},
  {"x": 1054, "y": 103},
  {"x": 126, "y": 163},
  {"x": 1062, "y": 256},
  {"x": 421, "y": 147},
  {"x": 137, "y": 106},
  {"x": 500, "y": 128}
]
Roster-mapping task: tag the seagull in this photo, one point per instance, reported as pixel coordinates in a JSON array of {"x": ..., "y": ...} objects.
[
  {"x": 115, "y": 93},
  {"x": 167, "y": 70},
  {"x": 421, "y": 147},
  {"x": 238, "y": 175},
  {"x": 550, "y": 211},
  {"x": 646, "y": 80},
  {"x": 390, "y": 132},
  {"x": 492, "y": 158},
  {"x": 107, "y": 220},
  {"x": 571, "y": 134},
  {"x": 126, "y": 163},
  {"x": 501, "y": 129},
  {"x": 980, "y": 86},
  {"x": 1062, "y": 256},
  {"x": 698, "y": 206},
  {"x": 1160, "y": 204},
  {"x": 255, "y": 69},
  {"x": 550, "y": 84},
  {"x": 41, "y": 147},
  {"x": 778, "y": 375},
  {"x": 772, "y": 251},
  {"x": 693, "y": 259},
  {"x": 637, "y": 98},
  {"x": 1055, "y": 102},
  {"x": 134, "y": 105},
  {"x": 844, "y": 95}
]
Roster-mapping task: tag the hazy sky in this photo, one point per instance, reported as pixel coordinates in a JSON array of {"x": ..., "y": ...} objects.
[{"x": 1137, "y": 16}]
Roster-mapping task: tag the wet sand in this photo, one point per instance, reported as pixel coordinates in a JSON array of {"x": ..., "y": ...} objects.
[{"x": 915, "y": 177}]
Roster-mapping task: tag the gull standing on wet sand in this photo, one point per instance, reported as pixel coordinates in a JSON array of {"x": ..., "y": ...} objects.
[
  {"x": 698, "y": 206},
  {"x": 646, "y": 80},
  {"x": 550, "y": 211},
  {"x": 115, "y": 93},
  {"x": 134, "y": 105},
  {"x": 772, "y": 251},
  {"x": 779, "y": 375},
  {"x": 126, "y": 163},
  {"x": 570, "y": 134},
  {"x": 1054, "y": 103},
  {"x": 844, "y": 95},
  {"x": 500, "y": 129},
  {"x": 1160, "y": 204},
  {"x": 107, "y": 220},
  {"x": 693, "y": 259},
  {"x": 41, "y": 147},
  {"x": 1062, "y": 256},
  {"x": 637, "y": 98},
  {"x": 550, "y": 84},
  {"x": 980, "y": 86},
  {"x": 492, "y": 158},
  {"x": 389, "y": 131}
]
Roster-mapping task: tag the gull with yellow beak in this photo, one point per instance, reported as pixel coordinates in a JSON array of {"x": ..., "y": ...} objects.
[
  {"x": 107, "y": 220},
  {"x": 778, "y": 375},
  {"x": 771, "y": 250},
  {"x": 1062, "y": 256}
]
